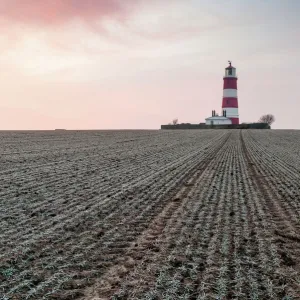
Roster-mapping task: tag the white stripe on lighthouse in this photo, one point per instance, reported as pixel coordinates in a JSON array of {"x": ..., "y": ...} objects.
[
  {"x": 230, "y": 93},
  {"x": 231, "y": 112}
]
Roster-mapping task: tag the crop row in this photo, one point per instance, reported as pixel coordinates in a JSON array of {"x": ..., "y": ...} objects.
[
  {"x": 70, "y": 234},
  {"x": 210, "y": 214},
  {"x": 218, "y": 241}
]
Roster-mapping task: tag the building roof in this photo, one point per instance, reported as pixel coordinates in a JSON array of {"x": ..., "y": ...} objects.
[{"x": 217, "y": 118}]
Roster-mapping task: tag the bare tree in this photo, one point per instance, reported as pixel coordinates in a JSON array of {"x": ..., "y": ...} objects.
[
  {"x": 175, "y": 121},
  {"x": 269, "y": 119}
]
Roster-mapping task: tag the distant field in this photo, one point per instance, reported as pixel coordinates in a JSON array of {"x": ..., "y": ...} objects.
[{"x": 212, "y": 214}]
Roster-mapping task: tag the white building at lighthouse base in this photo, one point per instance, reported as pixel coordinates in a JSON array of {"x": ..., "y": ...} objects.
[{"x": 218, "y": 120}]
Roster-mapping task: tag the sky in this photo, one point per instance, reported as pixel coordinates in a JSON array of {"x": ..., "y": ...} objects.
[{"x": 137, "y": 64}]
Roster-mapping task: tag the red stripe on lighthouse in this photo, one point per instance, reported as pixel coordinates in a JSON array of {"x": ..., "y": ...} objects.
[
  {"x": 230, "y": 83},
  {"x": 235, "y": 120},
  {"x": 230, "y": 102}
]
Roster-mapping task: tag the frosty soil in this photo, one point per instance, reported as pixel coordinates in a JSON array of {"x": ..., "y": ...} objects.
[{"x": 150, "y": 215}]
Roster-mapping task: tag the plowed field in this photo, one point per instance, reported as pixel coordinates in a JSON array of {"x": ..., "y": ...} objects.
[{"x": 211, "y": 214}]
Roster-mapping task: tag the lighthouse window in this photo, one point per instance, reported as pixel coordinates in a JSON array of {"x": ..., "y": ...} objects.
[{"x": 230, "y": 72}]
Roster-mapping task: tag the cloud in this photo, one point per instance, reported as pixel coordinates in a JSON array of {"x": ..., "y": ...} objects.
[
  {"x": 62, "y": 24},
  {"x": 60, "y": 12}
]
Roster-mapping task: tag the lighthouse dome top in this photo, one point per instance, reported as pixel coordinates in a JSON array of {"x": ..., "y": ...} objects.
[{"x": 230, "y": 66}]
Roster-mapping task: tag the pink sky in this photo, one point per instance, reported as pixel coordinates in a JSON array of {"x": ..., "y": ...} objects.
[{"x": 100, "y": 64}]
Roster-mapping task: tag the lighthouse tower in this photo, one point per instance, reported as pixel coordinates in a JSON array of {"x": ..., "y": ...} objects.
[{"x": 230, "y": 99}]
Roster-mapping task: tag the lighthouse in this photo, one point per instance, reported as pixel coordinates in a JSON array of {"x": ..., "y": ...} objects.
[
  {"x": 230, "y": 100},
  {"x": 230, "y": 110}
]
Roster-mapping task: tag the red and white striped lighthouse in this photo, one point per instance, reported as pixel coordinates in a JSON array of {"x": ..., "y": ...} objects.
[{"x": 230, "y": 100}]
